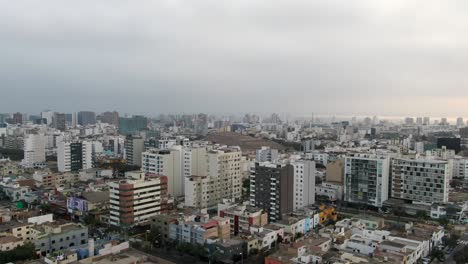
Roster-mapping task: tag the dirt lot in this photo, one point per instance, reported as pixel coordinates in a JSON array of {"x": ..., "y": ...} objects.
[{"x": 248, "y": 144}]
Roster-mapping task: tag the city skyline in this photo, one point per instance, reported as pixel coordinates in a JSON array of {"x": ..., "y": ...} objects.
[{"x": 387, "y": 58}]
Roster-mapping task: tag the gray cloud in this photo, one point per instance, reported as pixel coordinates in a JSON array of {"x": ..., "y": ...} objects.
[{"x": 346, "y": 57}]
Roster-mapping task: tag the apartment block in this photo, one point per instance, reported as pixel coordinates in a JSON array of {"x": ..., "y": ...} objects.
[
  {"x": 272, "y": 189},
  {"x": 135, "y": 201},
  {"x": 366, "y": 179},
  {"x": 421, "y": 180},
  {"x": 242, "y": 217},
  {"x": 74, "y": 156},
  {"x": 304, "y": 183}
]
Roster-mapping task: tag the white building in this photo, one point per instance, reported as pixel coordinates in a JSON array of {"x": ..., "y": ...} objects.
[
  {"x": 266, "y": 154},
  {"x": 304, "y": 183},
  {"x": 460, "y": 167},
  {"x": 34, "y": 150},
  {"x": 366, "y": 179},
  {"x": 215, "y": 175},
  {"x": 421, "y": 180},
  {"x": 333, "y": 191},
  {"x": 74, "y": 155},
  {"x": 170, "y": 163}
]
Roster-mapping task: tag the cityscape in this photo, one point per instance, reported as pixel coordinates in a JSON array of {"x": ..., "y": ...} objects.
[
  {"x": 233, "y": 132},
  {"x": 92, "y": 187}
]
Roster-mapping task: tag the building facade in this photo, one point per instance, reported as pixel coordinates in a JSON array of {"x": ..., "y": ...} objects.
[
  {"x": 417, "y": 180},
  {"x": 272, "y": 189},
  {"x": 366, "y": 179},
  {"x": 136, "y": 201}
]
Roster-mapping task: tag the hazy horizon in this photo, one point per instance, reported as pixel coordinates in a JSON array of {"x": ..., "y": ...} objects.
[{"x": 329, "y": 57}]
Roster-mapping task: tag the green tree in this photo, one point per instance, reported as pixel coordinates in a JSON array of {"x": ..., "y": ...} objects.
[
  {"x": 452, "y": 241},
  {"x": 462, "y": 256},
  {"x": 21, "y": 253},
  {"x": 438, "y": 254},
  {"x": 421, "y": 214}
]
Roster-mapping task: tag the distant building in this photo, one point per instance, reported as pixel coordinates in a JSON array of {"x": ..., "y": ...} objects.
[
  {"x": 449, "y": 142},
  {"x": 74, "y": 155},
  {"x": 366, "y": 179},
  {"x": 59, "y": 121},
  {"x": 134, "y": 147},
  {"x": 109, "y": 118},
  {"x": 266, "y": 154},
  {"x": 18, "y": 118},
  {"x": 86, "y": 118},
  {"x": 34, "y": 150},
  {"x": 132, "y": 125}
]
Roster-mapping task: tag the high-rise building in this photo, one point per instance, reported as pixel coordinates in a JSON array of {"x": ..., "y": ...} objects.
[
  {"x": 444, "y": 122},
  {"x": 136, "y": 200},
  {"x": 132, "y": 125},
  {"x": 409, "y": 121},
  {"x": 134, "y": 146},
  {"x": 201, "y": 125},
  {"x": 59, "y": 121},
  {"x": 86, "y": 118},
  {"x": 419, "y": 180},
  {"x": 266, "y": 154},
  {"x": 452, "y": 143},
  {"x": 366, "y": 179},
  {"x": 18, "y": 118},
  {"x": 168, "y": 162},
  {"x": 426, "y": 121},
  {"x": 460, "y": 168},
  {"x": 109, "y": 118},
  {"x": 304, "y": 183},
  {"x": 74, "y": 155},
  {"x": 34, "y": 150},
  {"x": 215, "y": 176},
  {"x": 272, "y": 189},
  {"x": 47, "y": 116},
  {"x": 419, "y": 121},
  {"x": 464, "y": 132},
  {"x": 460, "y": 122}
]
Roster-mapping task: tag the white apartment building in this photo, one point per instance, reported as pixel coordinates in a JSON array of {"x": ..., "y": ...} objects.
[
  {"x": 460, "y": 167},
  {"x": 74, "y": 156},
  {"x": 421, "y": 180},
  {"x": 366, "y": 179},
  {"x": 215, "y": 175},
  {"x": 266, "y": 154},
  {"x": 136, "y": 200},
  {"x": 34, "y": 150},
  {"x": 304, "y": 183},
  {"x": 169, "y": 162},
  {"x": 332, "y": 191}
]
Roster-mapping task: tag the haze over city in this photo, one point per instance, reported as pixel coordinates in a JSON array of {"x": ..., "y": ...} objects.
[
  {"x": 234, "y": 132},
  {"x": 370, "y": 57}
]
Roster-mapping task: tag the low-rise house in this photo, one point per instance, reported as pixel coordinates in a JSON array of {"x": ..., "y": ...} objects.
[
  {"x": 242, "y": 217},
  {"x": 10, "y": 242}
]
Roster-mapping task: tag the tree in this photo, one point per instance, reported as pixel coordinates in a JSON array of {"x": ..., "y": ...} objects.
[
  {"x": 421, "y": 214},
  {"x": 24, "y": 252},
  {"x": 443, "y": 222},
  {"x": 462, "y": 256},
  {"x": 452, "y": 241},
  {"x": 437, "y": 254}
]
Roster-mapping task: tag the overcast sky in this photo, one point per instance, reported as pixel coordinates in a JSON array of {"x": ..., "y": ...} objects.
[{"x": 395, "y": 57}]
